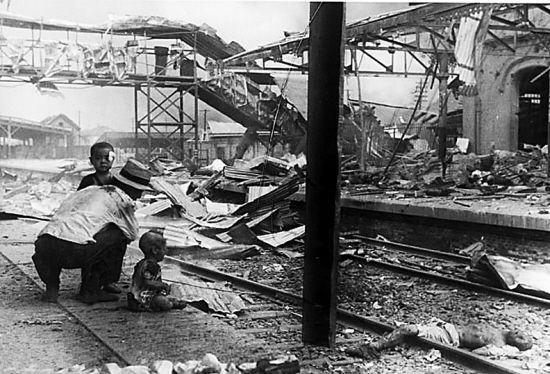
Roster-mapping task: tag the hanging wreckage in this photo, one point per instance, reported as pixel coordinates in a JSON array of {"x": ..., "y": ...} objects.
[
  {"x": 460, "y": 45},
  {"x": 238, "y": 84},
  {"x": 126, "y": 58}
]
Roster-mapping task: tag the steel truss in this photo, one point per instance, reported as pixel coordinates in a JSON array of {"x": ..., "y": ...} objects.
[
  {"x": 161, "y": 126},
  {"x": 165, "y": 122}
]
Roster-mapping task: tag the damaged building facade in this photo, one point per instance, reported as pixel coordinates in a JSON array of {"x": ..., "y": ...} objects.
[{"x": 512, "y": 106}]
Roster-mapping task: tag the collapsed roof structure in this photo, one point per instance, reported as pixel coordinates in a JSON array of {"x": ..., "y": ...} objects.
[
  {"x": 125, "y": 58},
  {"x": 464, "y": 41},
  {"x": 238, "y": 84}
]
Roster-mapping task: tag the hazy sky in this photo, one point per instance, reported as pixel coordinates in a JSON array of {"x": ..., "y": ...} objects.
[{"x": 250, "y": 23}]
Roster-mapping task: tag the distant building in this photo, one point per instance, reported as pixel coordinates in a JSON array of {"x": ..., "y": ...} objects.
[
  {"x": 219, "y": 140},
  {"x": 53, "y": 137},
  {"x": 91, "y": 136}
]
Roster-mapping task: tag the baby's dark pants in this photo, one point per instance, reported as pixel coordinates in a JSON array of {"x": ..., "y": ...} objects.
[{"x": 101, "y": 262}]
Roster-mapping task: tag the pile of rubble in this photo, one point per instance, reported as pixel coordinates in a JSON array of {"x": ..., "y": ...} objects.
[
  {"x": 209, "y": 364},
  {"x": 189, "y": 206},
  {"x": 419, "y": 174}
]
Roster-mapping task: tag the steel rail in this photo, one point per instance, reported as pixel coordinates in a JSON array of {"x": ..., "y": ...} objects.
[
  {"x": 432, "y": 253},
  {"x": 471, "y": 286},
  {"x": 347, "y": 318},
  {"x": 115, "y": 353}
]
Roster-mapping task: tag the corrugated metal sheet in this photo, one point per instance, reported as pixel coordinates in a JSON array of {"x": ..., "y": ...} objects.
[
  {"x": 186, "y": 238},
  {"x": 178, "y": 197},
  {"x": 255, "y": 192},
  {"x": 279, "y": 238},
  {"x": 215, "y": 222},
  {"x": 224, "y": 237},
  {"x": 159, "y": 222},
  {"x": 218, "y": 297},
  {"x": 226, "y": 128},
  {"x": 154, "y": 208}
]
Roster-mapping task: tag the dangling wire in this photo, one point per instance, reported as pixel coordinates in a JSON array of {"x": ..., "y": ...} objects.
[
  {"x": 286, "y": 80},
  {"x": 410, "y": 121}
]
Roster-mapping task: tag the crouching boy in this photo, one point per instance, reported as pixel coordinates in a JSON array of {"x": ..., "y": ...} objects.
[{"x": 148, "y": 292}]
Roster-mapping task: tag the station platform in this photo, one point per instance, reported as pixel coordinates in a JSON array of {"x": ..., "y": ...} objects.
[{"x": 506, "y": 222}]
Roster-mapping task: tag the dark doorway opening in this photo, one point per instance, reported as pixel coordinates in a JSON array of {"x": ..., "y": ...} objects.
[{"x": 533, "y": 108}]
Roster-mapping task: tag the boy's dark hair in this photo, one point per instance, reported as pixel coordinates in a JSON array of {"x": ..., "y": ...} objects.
[
  {"x": 101, "y": 145},
  {"x": 149, "y": 239}
]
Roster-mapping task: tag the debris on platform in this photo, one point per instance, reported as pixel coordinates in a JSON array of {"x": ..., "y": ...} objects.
[
  {"x": 189, "y": 209},
  {"x": 412, "y": 173},
  {"x": 208, "y": 364},
  {"x": 505, "y": 273},
  {"x": 533, "y": 279},
  {"x": 283, "y": 237},
  {"x": 214, "y": 297}
]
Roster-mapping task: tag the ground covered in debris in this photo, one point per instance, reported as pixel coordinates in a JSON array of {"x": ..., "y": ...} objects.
[
  {"x": 238, "y": 219},
  {"x": 394, "y": 298}
]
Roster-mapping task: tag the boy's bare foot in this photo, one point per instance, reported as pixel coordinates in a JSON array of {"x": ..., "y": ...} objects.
[{"x": 51, "y": 294}]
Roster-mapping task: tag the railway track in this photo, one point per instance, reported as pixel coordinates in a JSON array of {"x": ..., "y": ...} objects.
[
  {"x": 274, "y": 314},
  {"x": 457, "y": 262},
  {"x": 344, "y": 317}
]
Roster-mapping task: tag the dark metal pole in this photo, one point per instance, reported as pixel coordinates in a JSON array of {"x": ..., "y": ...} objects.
[
  {"x": 548, "y": 123},
  {"x": 149, "y": 124},
  {"x": 442, "y": 133},
  {"x": 181, "y": 125},
  {"x": 323, "y": 173},
  {"x": 136, "y": 121},
  {"x": 196, "y": 88}
]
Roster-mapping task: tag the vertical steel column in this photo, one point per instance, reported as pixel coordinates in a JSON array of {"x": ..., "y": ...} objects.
[
  {"x": 149, "y": 142},
  {"x": 136, "y": 121},
  {"x": 442, "y": 133},
  {"x": 182, "y": 133},
  {"x": 323, "y": 172},
  {"x": 9, "y": 139},
  {"x": 364, "y": 151},
  {"x": 196, "y": 88}
]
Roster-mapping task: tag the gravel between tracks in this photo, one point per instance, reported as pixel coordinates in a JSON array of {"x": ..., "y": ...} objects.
[{"x": 392, "y": 298}]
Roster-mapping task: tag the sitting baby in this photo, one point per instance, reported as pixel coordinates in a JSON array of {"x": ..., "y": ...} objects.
[{"x": 148, "y": 292}]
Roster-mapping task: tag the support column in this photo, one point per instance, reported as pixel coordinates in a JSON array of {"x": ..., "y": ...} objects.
[
  {"x": 196, "y": 111},
  {"x": 149, "y": 123},
  {"x": 136, "y": 122},
  {"x": 9, "y": 140},
  {"x": 442, "y": 133},
  {"x": 548, "y": 125},
  {"x": 323, "y": 172},
  {"x": 181, "y": 118}
]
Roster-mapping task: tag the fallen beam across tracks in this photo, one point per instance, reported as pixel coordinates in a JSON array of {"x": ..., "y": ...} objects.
[{"x": 347, "y": 318}]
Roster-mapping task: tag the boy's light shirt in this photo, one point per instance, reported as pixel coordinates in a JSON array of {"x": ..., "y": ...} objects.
[{"x": 84, "y": 213}]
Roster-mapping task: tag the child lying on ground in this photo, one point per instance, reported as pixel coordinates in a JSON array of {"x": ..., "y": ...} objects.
[
  {"x": 471, "y": 336},
  {"x": 148, "y": 292}
]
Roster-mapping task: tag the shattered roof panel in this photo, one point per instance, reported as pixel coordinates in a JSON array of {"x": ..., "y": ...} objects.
[
  {"x": 226, "y": 128},
  {"x": 207, "y": 42},
  {"x": 218, "y": 297},
  {"x": 404, "y": 21}
]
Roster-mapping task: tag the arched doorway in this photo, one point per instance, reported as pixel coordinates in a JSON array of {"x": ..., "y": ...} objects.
[{"x": 533, "y": 107}]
